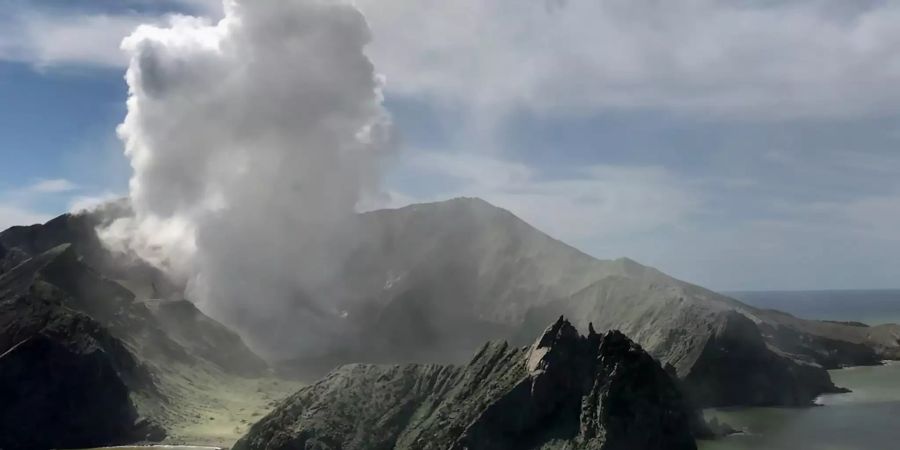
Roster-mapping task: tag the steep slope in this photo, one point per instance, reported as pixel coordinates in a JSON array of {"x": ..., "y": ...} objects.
[
  {"x": 563, "y": 392},
  {"x": 10, "y": 258},
  {"x": 204, "y": 337},
  {"x": 105, "y": 301},
  {"x": 97, "y": 280},
  {"x": 84, "y": 363},
  {"x": 88, "y": 407},
  {"x": 464, "y": 270},
  {"x": 64, "y": 380},
  {"x": 423, "y": 273},
  {"x": 79, "y": 230}
]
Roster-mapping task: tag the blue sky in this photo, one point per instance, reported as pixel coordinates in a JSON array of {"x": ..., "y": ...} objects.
[{"x": 737, "y": 145}]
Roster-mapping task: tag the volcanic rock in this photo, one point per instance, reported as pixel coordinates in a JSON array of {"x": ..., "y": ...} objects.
[
  {"x": 563, "y": 392},
  {"x": 464, "y": 271}
]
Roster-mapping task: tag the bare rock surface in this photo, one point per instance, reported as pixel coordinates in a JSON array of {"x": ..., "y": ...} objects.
[{"x": 563, "y": 392}]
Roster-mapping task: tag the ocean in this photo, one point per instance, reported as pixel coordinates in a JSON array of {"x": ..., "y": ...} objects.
[
  {"x": 872, "y": 307},
  {"x": 866, "y": 419}
]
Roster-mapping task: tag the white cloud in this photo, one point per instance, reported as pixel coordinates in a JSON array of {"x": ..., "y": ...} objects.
[
  {"x": 83, "y": 39},
  {"x": 822, "y": 58},
  {"x": 700, "y": 57},
  {"x": 869, "y": 217},
  {"x": 47, "y": 41},
  {"x": 825, "y": 250},
  {"x": 596, "y": 202},
  {"x": 51, "y": 186},
  {"x": 18, "y": 206},
  {"x": 12, "y": 215},
  {"x": 696, "y": 228}
]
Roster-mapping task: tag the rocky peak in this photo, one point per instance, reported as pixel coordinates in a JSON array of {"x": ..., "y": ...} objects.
[
  {"x": 610, "y": 377},
  {"x": 564, "y": 391},
  {"x": 559, "y": 343}
]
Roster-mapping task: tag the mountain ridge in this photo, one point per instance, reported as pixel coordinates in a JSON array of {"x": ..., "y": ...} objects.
[
  {"x": 431, "y": 282},
  {"x": 564, "y": 391},
  {"x": 84, "y": 363},
  {"x": 467, "y": 262}
]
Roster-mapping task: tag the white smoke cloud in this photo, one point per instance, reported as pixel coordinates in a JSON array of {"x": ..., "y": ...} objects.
[
  {"x": 252, "y": 140},
  {"x": 89, "y": 203}
]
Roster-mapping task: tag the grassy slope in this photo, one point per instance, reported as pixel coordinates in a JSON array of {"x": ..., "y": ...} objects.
[{"x": 208, "y": 407}]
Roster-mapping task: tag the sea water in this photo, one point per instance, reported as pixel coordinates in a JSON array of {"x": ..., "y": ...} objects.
[{"x": 866, "y": 419}]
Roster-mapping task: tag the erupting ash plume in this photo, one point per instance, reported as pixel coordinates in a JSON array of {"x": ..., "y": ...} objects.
[{"x": 252, "y": 140}]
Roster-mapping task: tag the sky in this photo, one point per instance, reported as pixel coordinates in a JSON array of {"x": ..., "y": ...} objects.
[{"x": 734, "y": 144}]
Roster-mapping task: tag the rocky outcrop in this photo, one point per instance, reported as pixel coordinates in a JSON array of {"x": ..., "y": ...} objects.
[
  {"x": 736, "y": 367},
  {"x": 563, "y": 392}
]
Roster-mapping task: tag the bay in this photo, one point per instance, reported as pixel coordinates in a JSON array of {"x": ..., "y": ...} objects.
[{"x": 866, "y": 419}]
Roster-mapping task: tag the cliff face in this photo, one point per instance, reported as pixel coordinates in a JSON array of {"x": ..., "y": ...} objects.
[
  {"x": 563, "y": 392},
  {"x": 737, "y": 367}
]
